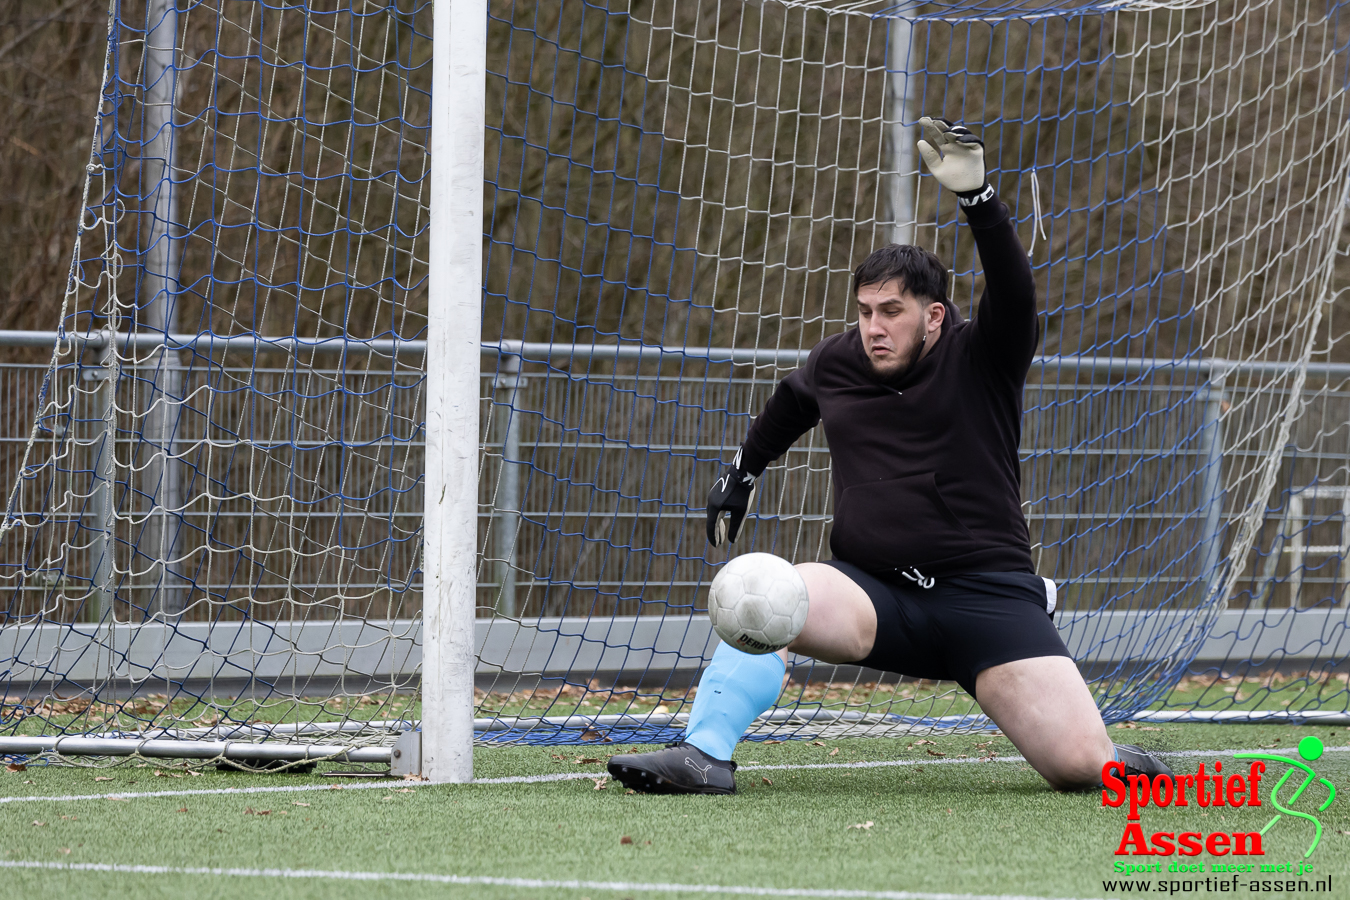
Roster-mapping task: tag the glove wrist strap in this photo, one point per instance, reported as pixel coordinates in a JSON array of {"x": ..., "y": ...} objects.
[
  {"x": 972, "y": 198},
  {"x": 742, "y": 474}
]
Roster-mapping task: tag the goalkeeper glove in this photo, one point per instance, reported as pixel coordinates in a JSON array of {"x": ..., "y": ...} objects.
[
  {"x": 953, "y": 154},
  {"x": 732, "y": 494}
]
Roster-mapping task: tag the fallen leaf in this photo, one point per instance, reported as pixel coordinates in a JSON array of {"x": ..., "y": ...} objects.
[
  {"x": 298, "y": 803},
  {"x": 397, "y": 791},
  {"x": 817, "y": 743},
  {"x": 773, "y": 742},
  {"x": 935, "y": 753},
  {"x": 65, "y": 850},
  {"x": 16, "y": 767},
  {"x": 194, "y": 773},
  {"x": 115, "y": 797},
  {"x": 834, "y": 752},
  {"x": 102, "y": 778},
  {"x": 601, "y": 783},
  {"x": 922, "y": 741},
  {"x": 982, "y": 746},
  {"x": 1126, "y": 725},
  {"x": 37, "y": 824},
  {"x": 250, "y": 811},
  {"x": 949, "y": 809},
  {"x": 1149, "y": 728},
  {"x": 625, "y": 840},
  {"x": 182, "y": 809},
  {"x": 159, "y": 774},
  {"x": 765, "y": 780},
  {"x": 586, "y": 760},
  {"x": 590, "y": 734},
  {"x": 30, "y": 782},
  {"x": 71, "y": 818},
  {"x": 863, "y": 826}
]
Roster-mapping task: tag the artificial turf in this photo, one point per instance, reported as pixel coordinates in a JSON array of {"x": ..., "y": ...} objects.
[{"x": 964, "y": 828}]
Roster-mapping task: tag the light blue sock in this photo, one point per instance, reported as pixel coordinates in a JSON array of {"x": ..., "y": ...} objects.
[{"x": 735, "y": 688}]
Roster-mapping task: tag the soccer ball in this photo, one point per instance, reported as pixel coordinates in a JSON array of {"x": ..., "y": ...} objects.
[{"x": 757, "y": 603}]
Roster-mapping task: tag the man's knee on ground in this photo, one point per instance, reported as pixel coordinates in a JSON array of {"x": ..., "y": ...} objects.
[{"x": 1078, "y": 764}]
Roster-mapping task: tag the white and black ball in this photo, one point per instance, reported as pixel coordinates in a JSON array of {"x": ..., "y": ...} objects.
[{"x": 758, "y": 602}]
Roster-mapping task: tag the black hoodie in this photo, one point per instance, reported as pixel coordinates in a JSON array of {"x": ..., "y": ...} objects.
[{"x": 926, "y": 473}]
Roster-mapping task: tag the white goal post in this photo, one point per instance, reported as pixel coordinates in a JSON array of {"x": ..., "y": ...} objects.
[{"x": 454, "y": 317}]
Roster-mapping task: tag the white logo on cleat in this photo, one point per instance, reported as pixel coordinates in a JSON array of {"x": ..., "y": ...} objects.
[{"x": 701, "y": 770}]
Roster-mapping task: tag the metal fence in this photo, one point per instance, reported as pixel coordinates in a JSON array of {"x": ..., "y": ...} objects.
[{"x": 302, "y": 492}]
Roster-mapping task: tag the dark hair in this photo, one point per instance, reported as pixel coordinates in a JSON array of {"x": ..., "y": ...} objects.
[{"x": 918, "y": 271}]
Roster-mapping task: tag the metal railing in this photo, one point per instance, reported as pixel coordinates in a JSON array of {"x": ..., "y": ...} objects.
[
  {"x": 532, "y": 438},
  {"x": 539, "y": 351}
]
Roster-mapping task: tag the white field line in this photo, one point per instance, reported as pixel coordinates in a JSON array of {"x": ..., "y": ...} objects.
[
  {"x": 576, "y": 776},
  {"x": 487, "y": 880},
  {"x": 280, "y": 789}
]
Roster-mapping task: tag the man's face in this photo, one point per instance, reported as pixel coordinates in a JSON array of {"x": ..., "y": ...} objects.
[{"x": 893, "y": 324}]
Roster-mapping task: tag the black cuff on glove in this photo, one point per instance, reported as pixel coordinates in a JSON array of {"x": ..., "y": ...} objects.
[
  {"x": 731, "y": 494},
  {"x": 973, "y": 198}
]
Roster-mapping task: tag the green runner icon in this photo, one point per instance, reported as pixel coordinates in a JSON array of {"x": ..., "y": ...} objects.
[{"x": 1310, "y": 748}]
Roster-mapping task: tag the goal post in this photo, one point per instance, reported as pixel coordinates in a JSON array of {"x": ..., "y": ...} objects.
[
  {"x": 403, "y": 341},
  {"x": 454, "y": 320}
]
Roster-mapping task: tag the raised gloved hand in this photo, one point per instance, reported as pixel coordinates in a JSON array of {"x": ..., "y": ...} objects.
[
  {"x": 732, "y": 493},
  {"x": 953, "y": 155}
]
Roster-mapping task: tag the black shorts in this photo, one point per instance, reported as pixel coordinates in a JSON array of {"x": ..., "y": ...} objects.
[{"x": 960, "y": 626}]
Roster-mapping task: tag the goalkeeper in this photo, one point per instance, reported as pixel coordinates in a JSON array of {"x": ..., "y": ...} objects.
[{"x": 932, "y": 575}]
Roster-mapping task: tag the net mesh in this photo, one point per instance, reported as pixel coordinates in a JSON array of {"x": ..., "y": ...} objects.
[{"x": 215, "y": 528}]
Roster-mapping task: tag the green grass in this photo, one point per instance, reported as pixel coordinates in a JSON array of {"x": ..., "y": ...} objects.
[{"x": 966, "y": 828}]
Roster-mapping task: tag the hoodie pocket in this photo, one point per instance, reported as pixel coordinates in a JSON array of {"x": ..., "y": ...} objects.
[{"x": 880, "y": 525}]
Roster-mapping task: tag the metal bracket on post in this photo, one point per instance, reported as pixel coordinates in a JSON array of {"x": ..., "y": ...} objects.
[
  {"x": 508, "y": 488},
  {"x": 406, "y": 757},
  {"x": 1213, "y": 489},
  {"x": 105, "y": 472}
]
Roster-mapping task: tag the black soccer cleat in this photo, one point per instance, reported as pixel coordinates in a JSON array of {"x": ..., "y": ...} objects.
[
  {"x": 679, "y": 769},
  {"x": 1139, "y": 761}
]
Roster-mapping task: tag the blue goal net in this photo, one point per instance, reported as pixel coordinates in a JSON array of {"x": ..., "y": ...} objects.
[{"x": 213, "y": 490}]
